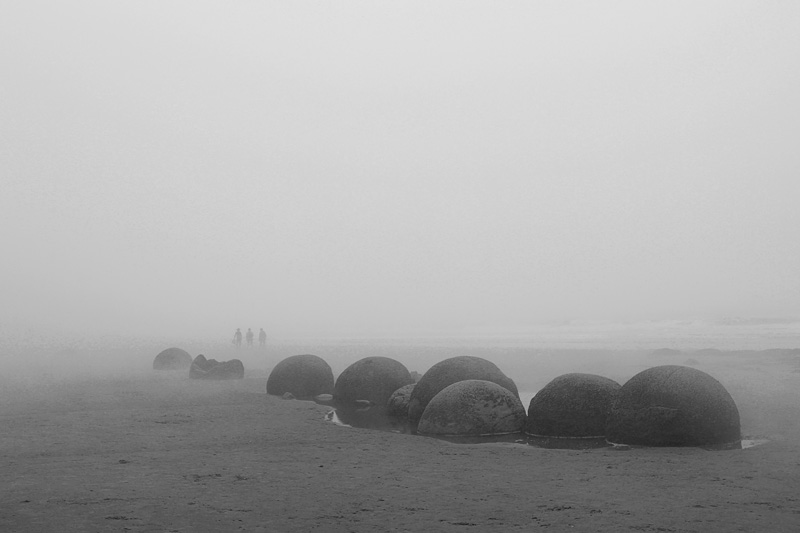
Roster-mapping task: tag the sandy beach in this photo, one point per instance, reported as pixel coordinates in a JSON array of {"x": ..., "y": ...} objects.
[
  {"x": 555, "y": 187},
  {"x": 139, "y": 450}
]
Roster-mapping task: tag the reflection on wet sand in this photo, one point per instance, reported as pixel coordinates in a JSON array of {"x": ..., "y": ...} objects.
[{"x": 375, "y": 418}]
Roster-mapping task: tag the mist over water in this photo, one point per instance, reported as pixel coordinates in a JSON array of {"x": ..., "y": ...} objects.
[
  {"x": 531, "y": 357},
  {"x": 554, "y": 173}
]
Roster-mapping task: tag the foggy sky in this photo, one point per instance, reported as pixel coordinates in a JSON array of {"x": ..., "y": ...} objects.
[{"x": 193, "y": 167}]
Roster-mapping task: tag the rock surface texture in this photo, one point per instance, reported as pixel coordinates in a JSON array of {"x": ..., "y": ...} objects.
[
  {"x": 673, "y": 406},
  {"x": 373, "y": 379},
  {"x": 397, "y": 406},
  {"x": 473, "y": 408},
  {"x": 304, "y": 376},
  {"x": 572, "y": 406},
  {"x": 453, "y": 370}
]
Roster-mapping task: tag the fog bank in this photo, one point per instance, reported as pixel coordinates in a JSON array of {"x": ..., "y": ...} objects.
[{"x": 182, "y": 169}]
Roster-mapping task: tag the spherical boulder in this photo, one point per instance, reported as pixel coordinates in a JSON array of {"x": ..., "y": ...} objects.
[
  {"x": 572, "y": 406},
  {"x": 673, "y": 406},
  {"x": 203, "y": 368},
  {"x": 397, "y": 406},
  {"x": 451, "y": 371},
  {"x": 304, "y": 376},
  {"x": 373, "y": 379},
  {"x": 172, "y": 359},
  {"x": 473, "y": 408}
]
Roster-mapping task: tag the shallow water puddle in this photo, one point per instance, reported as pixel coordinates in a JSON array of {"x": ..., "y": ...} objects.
[
  {"x": 750, "y": 443},
  {"x": 333, "y": 417},
  {"x": 364, "y": 420}
]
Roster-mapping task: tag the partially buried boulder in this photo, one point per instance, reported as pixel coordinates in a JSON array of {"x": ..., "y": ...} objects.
[
  {"x": 673, "y": 406},
  {"x": 203, "y": 368},
  {"x": 304, "y": 376},
  {"x": 453, "y": 370},
  {"x": 572, "y": 406},
  {"x": 473, "y": 408},
  {"x": 373, "y": 379},
  {"x": 397, "y": 406},
  {"x": 172, "y": 359}
]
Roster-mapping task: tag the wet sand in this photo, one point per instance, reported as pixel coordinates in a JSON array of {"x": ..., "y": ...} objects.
[{"x": 156, "y": 451}]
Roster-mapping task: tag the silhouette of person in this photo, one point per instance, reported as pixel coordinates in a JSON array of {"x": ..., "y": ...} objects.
[
  {"x": 237, "y": 338},
  {"x": 262, "y": 337},
  {"x": 249, "y": 337}
]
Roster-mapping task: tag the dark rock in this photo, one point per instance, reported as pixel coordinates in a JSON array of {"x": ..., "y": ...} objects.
[
  {"x": 473, "y": 408},
  {"x": 203, "y": 368},
  {"x": 371, "y": 378},
  {"x": 397, "y": 406},
  {"x": 673, "y": 406},
  {"x": 449, "y": 371},
  {"x": 572, "y": 406},
  {"x": 305, "y": 376},
  {"x": 172, "y": 359},
  {"x": 200, "y": 366}
]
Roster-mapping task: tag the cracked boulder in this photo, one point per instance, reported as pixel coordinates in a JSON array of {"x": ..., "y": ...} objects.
[{"x": 203, "y": 368}]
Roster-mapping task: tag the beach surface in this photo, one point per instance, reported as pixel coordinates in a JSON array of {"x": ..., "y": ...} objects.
[{"x": 97, "y": 449}]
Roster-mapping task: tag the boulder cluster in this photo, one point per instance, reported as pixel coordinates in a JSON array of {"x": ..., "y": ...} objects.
[
  {"x": 471, "y": 397},
  {"x": 200, "y": 367},
  {"x": 203, "y": 368}
]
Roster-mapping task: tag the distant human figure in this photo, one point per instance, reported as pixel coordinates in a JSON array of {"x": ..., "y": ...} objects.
[
  {"x": 249, "y": 337},
  {"x": 237, "y": 338},
  {"x": 262, "y": 337}
]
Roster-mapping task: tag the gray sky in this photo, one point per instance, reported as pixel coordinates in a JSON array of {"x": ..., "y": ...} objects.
[{"x": 361, "y": 167}]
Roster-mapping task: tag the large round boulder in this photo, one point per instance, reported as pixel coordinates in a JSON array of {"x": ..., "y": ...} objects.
[
  {"x": 304, "y": 376},
  {"x": 673, "y": 406},
  {"x": 203, "y": 368},
  {"x": 453, "y": 370},
  {"x": 172, "y": 359},
  {"x": 572, "y": 406},
  {"x": 473, "y": 408},
  {"x": 371, "y": 379}
]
